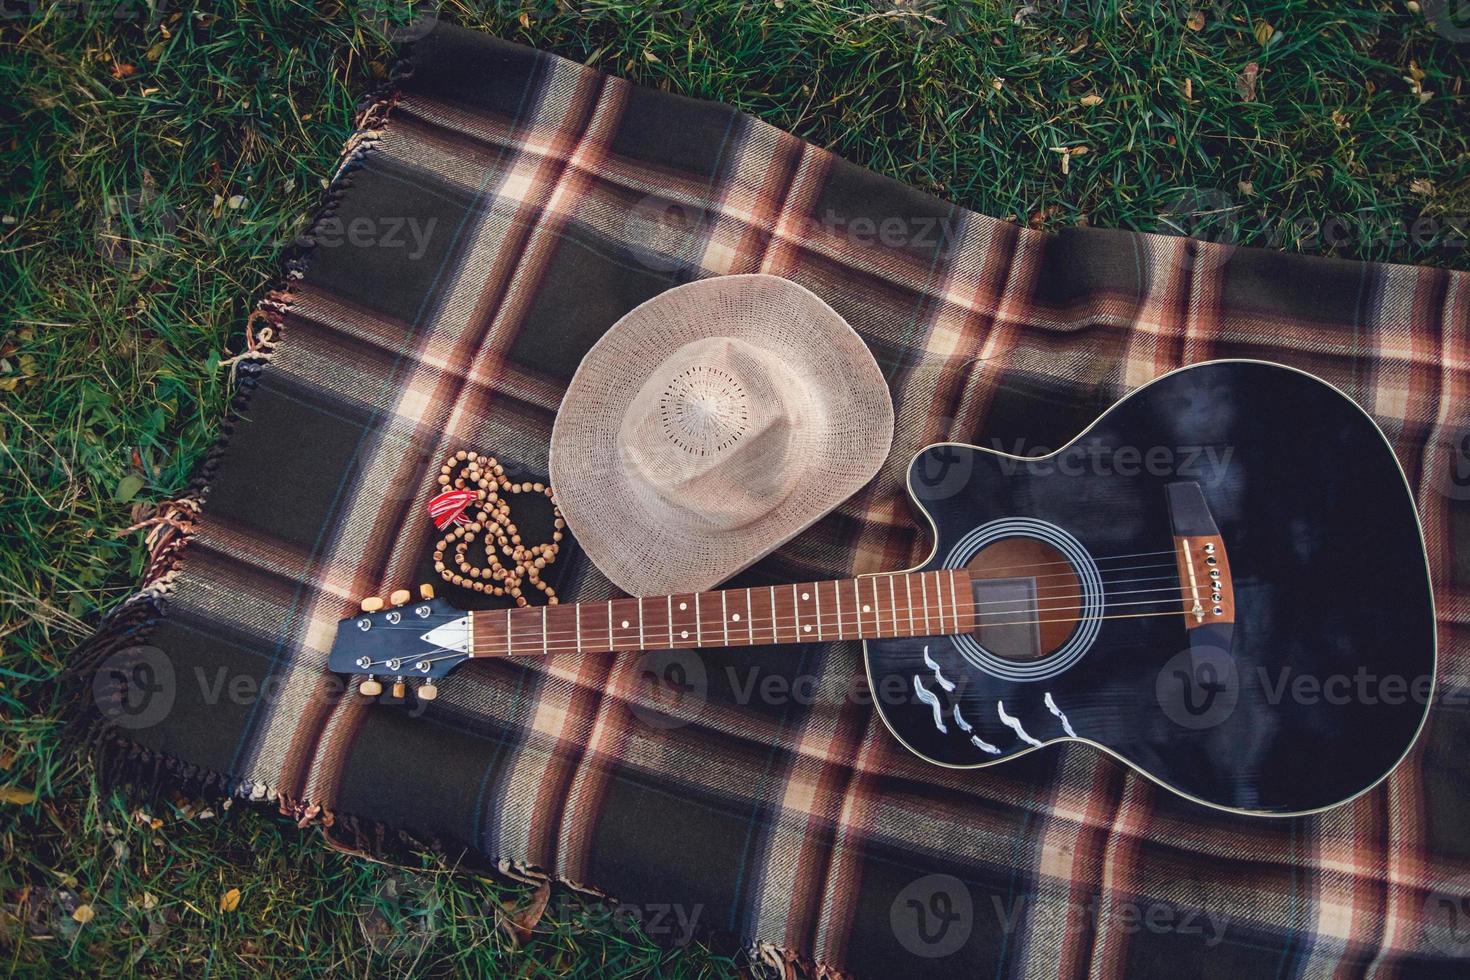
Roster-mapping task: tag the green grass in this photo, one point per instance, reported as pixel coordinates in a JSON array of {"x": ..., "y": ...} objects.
[{"x": 154, "y": 166}]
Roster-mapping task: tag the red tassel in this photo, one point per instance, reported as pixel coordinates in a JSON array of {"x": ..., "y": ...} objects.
[{"x": 449, "y": 507}]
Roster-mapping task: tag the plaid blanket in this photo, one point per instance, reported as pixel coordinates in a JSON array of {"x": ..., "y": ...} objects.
[{"x": 496, "y": 211}]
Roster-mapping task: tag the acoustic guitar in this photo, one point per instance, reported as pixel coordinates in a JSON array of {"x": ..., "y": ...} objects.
[{"x": 1221, "y": 582}]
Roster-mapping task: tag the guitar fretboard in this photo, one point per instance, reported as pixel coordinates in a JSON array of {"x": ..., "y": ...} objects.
[{"x": 876, "y": 607}]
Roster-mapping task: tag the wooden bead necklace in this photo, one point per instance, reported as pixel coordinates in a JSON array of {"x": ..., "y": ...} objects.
[{"x": 485, "y": 477}]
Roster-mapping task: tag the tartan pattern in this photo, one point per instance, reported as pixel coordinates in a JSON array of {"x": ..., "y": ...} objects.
[{"x": 558, "y": 198}]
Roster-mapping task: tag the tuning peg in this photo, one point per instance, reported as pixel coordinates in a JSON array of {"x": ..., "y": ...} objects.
[
  {"x": 427, "y": 691},
  {"x": 370, "y": 688},
  {"x": 399, "y": 597},
  {"x": 372, "y": 603},
  {"x": 426, "y": 591},
  {"x": 400, "y": 689}
]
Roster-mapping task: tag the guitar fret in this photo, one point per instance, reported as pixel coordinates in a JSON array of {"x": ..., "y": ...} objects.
[
  {"x": 954, "y": 597},
  {"x": 543, "y": 631},
  {"x": 508, "y": 644},
  {"x": 774, "y": 638},
  {"x": 837, "y": 596},
  {"x": 892, "y": 605},
  {"x": 878, "y": 616},
  {"x": 908, "y": 591},
  {"x": 817, "y": 594},
  {"x": 610, "y": 644},
  {"x": 857, "y": 606},
  {"x": 683, "y": 605},
  {"x": 641, "y": 644},
  {"x": 939, "y": 601},
  {"x": 951, "y": 599},
  {"x": 725, "y": 617},
  {"x": 924, "y": 593},
  {"x": 698, "y": 626},
  {"x": 796, "y": 615},
  {"x": 671, "y": 620},
  {"x": 749, "y": 618}
]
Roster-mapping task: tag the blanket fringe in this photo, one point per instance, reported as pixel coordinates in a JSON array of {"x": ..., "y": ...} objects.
[
  {"x": 122, "y": 763},
  {"x": 119, "y": 758}
]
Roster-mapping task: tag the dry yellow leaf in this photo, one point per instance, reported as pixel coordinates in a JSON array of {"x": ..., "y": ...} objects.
[
  {"x": 84, "y": 914},
  {"x": 1091, "y": 99},
  {"x": 1264, "y": 32},
  {"x": 16, "y": 795},
  {"x": 230, "y": 900},
  {"x": 1196, "y": 21}
]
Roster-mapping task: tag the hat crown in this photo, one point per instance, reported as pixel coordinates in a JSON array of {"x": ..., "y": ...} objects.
[
  {"x": 716, "y": 429},
  {"x": 710, "y": 424}
]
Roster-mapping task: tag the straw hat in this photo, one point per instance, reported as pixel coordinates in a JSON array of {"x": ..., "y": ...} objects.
[{"x": 711, "y": 425}]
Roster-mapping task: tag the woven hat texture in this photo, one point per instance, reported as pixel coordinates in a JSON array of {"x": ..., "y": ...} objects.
[{"x": 712, "y": 424}]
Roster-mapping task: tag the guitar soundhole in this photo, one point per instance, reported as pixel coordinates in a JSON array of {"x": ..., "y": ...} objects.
[{"x": 1027, "y": 598}]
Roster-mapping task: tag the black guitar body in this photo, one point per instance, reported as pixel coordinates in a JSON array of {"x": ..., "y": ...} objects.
[{"x": 1310, "y": 697}]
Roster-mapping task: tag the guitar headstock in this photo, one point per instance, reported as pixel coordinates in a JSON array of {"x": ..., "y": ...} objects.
[{"x": 404, "y": 639}]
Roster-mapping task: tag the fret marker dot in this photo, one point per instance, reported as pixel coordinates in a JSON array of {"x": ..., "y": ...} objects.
[
  {"x": 684, "y": 605},
  {"x": 807, "y": 629},
  {"x": 625, "y": 624},
  {"x": 867, "y": 608},
  {"x": 736, "y": 617},
  {"x": 805, "y": 596},
  {"x": 684, "y": 634}
]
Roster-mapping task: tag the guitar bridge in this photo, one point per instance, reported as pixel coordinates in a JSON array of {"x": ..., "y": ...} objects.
[{"x": 1206, "y": 589}]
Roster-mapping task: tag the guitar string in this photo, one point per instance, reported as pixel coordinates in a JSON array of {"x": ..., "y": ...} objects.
[
  {"x": 531, "y": 628},
  {"x": 559, "y": 646},
  {"x": 829, "y": 624},
  {"x": 575, "y": 649},
  {"x": 463, "y": 655},
  {"x": 917, "y": 611},
  {"x": 1135, "y": 554}
]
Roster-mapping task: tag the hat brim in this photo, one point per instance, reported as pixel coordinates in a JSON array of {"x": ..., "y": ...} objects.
[{"x": 631, "y": 535}]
